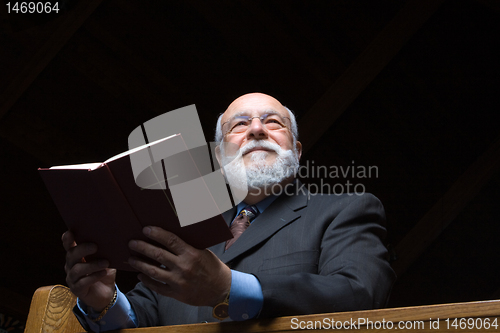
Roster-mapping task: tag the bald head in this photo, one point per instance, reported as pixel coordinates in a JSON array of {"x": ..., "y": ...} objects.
[{"x": 253, "y": 101}]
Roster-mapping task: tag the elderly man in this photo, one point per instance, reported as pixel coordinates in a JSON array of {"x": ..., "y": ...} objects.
[{"x": 293, "y": 253}]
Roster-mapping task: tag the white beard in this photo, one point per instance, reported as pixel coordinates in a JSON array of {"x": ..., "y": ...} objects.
[{"x": 258, "y": 174}]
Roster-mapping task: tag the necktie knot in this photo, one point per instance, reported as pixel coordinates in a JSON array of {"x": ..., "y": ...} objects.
[
  {"x": 241, "y": 223},
  {"x": 250, "y": 211}
]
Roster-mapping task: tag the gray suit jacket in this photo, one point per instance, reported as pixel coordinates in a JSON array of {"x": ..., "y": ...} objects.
[{"x": 311, "y": 254}]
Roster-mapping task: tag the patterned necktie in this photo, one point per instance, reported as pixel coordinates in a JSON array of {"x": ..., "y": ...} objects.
[{"x": 241, "y": 223}]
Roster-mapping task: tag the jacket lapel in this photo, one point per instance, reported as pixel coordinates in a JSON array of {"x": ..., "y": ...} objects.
[{"x": 286, "y": 209}]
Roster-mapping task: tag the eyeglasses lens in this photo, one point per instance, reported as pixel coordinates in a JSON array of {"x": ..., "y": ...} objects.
[{"x": 271, "y": 122}]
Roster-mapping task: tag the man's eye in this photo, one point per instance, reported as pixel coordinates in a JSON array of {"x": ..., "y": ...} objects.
[
  {"x": 273, "y": 124},
  {"x": 240, "y": 123}
]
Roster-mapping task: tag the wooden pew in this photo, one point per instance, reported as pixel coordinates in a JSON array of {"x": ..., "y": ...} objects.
[{"x": 51, "y": 311}]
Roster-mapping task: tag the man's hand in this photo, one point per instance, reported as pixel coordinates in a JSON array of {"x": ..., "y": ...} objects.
[
  {"x": 91, "y": 281},
  {"x": 192, "y": 276}
]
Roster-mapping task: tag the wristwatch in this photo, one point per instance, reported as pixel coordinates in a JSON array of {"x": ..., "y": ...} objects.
[{"x": 221, "y": 310}]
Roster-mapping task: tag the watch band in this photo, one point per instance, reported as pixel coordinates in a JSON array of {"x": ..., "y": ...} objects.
[{"x": 221, "y": 310}]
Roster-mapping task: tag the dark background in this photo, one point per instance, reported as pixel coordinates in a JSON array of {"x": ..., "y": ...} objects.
[{"x": 408, "y": 86}]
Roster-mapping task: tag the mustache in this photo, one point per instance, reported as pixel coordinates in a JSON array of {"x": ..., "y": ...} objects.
[{"x": 260, "y": 144}]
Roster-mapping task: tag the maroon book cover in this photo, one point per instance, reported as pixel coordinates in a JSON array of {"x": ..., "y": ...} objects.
[{"x": 103, "y": 205}]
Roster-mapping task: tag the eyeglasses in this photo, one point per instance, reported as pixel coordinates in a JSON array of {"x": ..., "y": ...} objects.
[{"x": 271, "y": 121}]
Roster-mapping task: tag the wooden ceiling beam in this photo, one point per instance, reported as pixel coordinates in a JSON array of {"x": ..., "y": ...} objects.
[
  {"x": 465, "y": 188},
  {"x": 364, "y": 69},
  {"x": 70, "y": 23}
]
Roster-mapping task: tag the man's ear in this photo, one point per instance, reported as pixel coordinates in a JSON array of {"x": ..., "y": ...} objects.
[{"x": 298, "y": 145}]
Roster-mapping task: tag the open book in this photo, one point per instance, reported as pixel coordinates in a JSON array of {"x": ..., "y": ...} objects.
[{"x": 101, "y": 203}]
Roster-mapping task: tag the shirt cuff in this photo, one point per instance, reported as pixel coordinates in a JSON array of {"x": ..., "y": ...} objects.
[
  {"x": 246, "y": 298},
  {"x": 119, "y": 316}
]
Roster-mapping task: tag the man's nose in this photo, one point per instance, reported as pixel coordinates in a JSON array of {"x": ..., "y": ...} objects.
[{"x": 256, "y": 130}]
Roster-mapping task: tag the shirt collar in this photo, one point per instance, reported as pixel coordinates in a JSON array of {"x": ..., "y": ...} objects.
[{"x": 261, "y": 205}]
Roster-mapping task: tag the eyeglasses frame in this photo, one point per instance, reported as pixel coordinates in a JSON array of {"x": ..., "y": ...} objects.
[{"x": 260, "y": 118}]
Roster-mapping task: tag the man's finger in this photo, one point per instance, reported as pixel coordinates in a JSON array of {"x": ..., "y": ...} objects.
[
  {"x": 82, "y": 270},
  {"x": 158, "y": 254},
  {"x": 75, "y": 254},
  {"x": 171, "y": 242},
  {"x": 154, "y": 272},
  {"x": 157, "y": 286},
  {"x": 82, "y": 284},
  {"x": 68, "y": 240}
]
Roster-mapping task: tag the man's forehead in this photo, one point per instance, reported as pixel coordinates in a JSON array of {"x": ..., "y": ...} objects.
[
  {"x": 252, "y": 112},
  {"x": 254, "y": 106}
]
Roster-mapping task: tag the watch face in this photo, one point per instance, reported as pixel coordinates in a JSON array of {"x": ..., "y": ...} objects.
[{"x": 220, "y": 311}]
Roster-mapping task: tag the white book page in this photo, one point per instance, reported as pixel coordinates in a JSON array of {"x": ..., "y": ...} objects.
[
  {"x": 93, "y": 166},
  {"x": 128, "y": 152},
  {"x": 84, "y": 166}
]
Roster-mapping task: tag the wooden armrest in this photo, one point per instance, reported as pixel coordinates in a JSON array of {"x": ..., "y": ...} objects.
[
  {"x": 419, "y": 317},
  {"x": 51, "y": 311}
]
